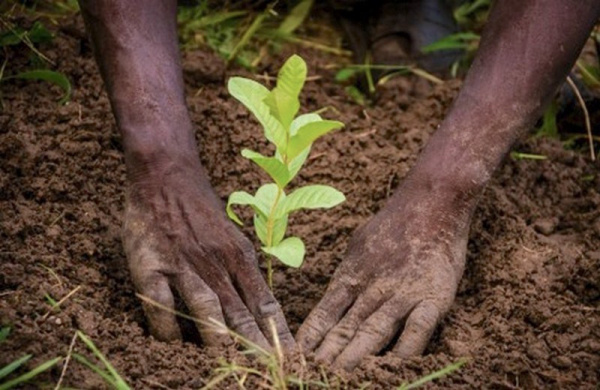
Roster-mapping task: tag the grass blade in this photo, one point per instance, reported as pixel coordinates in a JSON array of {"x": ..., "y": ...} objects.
[
  {"x": 105, "y": 375},
  {"x": 119, "y": 382},
  {"x": 29, "y": 375},
  {"x": 527, "y": 156},
  {"x": 296, "y": 17},
  {"x": 248, "y": 34},
  {"x": 14, "y": 365},
  {"x": 433, "y": 376},
  {"x": 4, "y": 332},
  {"x": 48, "y": 75}
]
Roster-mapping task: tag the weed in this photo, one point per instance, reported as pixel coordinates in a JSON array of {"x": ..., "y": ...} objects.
[
  {"x": 349, "y": 73},
  {"x": 527, "y": 156},
  {"x": 110, "y": 374},
  {"x": 292, "y": 136},
  {"x": 17, "y": 363},
  {"x": 433, "y": 376},
  {"x": 548, "y": 127},
  {"x": 246, "y": 36},
  {"x": 12, "y": 35}
]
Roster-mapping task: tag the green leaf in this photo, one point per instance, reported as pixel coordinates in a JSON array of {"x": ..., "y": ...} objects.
[
  {"x": 296, "y": 17},
  {"x": 451, "y": 42},
  {"x": 12, "y": 37},
  {"x": 39, "y": 33},
  {"x": 47, "y": 75},
  {"x": 194, "y": 24},
  {"x": 289, "y": 251},
  {"x": 4, "y": 371},
  {"x": 302, "y": 120},
  {"x": 267, "y": 195},
  {"x": 346, "y": 74},
  {"x": 295, "y": 165},
  {"x": 312, "y": 197},
  {"x": 260, "y": 227},
  {"x": 283, "y": 107},
  {"x": 292, "y": 75},
  {"x": 275, "y": 168},
  {"x": 4, "y": 332},
  {"x": 279, "y": 228},
  {"x": 243, "y": 198},
  {"x": 308, "y": 133},
  {"x": 252, "y": 94}
]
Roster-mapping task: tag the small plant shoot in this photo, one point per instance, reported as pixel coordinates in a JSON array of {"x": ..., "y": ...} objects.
[{"x": 293, "y": 137}]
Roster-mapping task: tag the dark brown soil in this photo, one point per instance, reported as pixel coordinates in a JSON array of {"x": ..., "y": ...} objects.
[{"x": 527, "y": 312}]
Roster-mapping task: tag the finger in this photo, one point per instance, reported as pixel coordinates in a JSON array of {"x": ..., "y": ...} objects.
[
  {"x": 418, "y": 329},
  {"x": 238, "y": 317},
  {"x": 159, "y": 306},
  {"x": 374, "y": 334},
  {"x": 324, "y": 316},
  {"x": 204, "y": 305},
  {"x": 337, "y": 339},
  {"x": 264, "y": 307}
]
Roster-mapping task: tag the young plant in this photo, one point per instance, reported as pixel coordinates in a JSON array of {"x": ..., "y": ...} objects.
[{"x": 292, "y": 136}]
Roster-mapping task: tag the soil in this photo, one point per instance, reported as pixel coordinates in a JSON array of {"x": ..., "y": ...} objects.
[{"x": 527, "y": 311}]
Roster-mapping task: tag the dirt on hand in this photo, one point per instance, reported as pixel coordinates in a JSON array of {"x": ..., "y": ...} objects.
[{"x": 527, "y": 312}]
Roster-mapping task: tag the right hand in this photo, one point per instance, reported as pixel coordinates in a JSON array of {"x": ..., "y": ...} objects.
[{"x": 177, "y": 237}]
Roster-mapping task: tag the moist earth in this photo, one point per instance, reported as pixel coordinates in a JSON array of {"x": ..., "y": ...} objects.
[{"x": 527, "y": 310}]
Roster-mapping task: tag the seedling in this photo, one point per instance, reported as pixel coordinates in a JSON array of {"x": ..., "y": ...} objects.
[{"x": 293, "y": 137}]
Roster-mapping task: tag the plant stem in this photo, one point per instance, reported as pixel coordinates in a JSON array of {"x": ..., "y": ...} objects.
[{"x": 270, "y": 225}]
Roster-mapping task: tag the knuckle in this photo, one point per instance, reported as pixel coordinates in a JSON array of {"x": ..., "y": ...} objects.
[
  {"x": 311, "y": 329},
  {"x": 373, "y": 330},
  {"x": 159, "y": 294},
  {"x": 246, "y": 252},
  {"x": 424, "y": 319},
  {"x": 241, "y": 319},
  {"x": 343, "y": 333},
  {"x": 206, "y": 299},
  {"x": 269, "y": 308}
]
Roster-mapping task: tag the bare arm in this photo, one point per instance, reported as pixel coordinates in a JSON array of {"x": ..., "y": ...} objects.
[
  {"x": 402, "y": 269},
  {"x": 176, "y": 234}
]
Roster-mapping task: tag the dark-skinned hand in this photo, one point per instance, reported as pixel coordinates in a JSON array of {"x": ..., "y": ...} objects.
[
  {"x": 399, "y": 277},
  {"x": 177, "y": 237}
]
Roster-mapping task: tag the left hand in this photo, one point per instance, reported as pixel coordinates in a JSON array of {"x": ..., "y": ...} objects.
[{"x": 401, "y": 273}]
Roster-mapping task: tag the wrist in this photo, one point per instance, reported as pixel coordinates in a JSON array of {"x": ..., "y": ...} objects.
[
  {"x": 153, "y": 161},
  {"x": 449, "y": 174}
]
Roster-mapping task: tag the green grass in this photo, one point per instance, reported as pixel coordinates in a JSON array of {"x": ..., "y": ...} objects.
[
  {"x": 247, "y": 36},
  {"x": 10, "y": 368},
  {"x": 109, "y": 374},
  {"x": 13, "y": 36}
]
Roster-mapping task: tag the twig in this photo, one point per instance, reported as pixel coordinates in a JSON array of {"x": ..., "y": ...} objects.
[
  {"x": 588, "y": 125},
  {"x": 61, "y": 302},
  {"x": 156, "y": 384},
  {"x": 67, "y": 360},
  {"x": 24, "y": 37},
  {"x": 365, "y": 133},
  {"x": 53, "y": 273}
]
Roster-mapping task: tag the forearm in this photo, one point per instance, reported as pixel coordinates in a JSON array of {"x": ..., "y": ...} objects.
[
  {"x": 522, "y": 60},
  {"x": 136, "y": 49}
]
